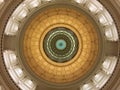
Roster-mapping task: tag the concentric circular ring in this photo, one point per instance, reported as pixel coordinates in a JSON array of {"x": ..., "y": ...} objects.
[
  {"x": 23, "y": 68},
  {"x": 40, "y": 41},
  {"x": 60, "y": 44}
]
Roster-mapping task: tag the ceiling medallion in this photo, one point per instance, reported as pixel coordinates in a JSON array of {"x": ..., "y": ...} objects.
[{"x": 60, "y": 44}]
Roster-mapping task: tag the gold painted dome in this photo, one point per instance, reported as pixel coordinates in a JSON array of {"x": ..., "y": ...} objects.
[{"x": 61, "y": 45}]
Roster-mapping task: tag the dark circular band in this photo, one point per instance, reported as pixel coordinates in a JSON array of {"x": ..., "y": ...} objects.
[{"x": 60, "y": 44}]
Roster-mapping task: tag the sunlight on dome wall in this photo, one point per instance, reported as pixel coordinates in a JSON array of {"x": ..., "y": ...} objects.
[
  {"x": 20, "y": 12},
  {"x": 16, "y": 71},
  {"x": 81, "y": 1},
  {"x": 109, "y": 64},
  {"x": 1, "y": 87},
  {"x": 94, "y": 7},
  {"x": 12, "y": 27},
  {"x": 32, "y": 3},
  {"x": 1, "y": 3}
]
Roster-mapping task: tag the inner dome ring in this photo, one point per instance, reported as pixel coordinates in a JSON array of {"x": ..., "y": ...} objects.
[
  {"x": 65, "y": 35},
  {"x": 80, "y": 64}
]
